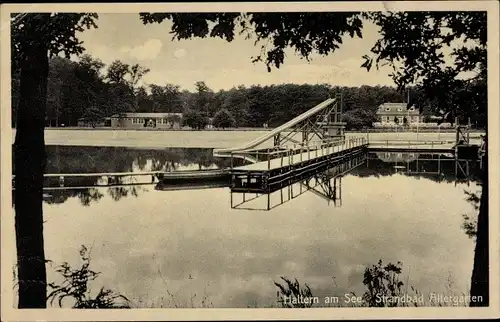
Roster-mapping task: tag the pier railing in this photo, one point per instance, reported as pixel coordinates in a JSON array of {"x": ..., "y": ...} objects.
[
  {"x": 410, "y": 143},
  {"x": 301, "y": 152}
]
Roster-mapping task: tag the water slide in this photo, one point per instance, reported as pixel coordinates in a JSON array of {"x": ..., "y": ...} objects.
[{"x": 279, "y": 129}]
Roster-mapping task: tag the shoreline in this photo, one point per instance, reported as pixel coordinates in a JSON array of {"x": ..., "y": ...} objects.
[
  {"x": 211, "y": 139},
  {"x": 255, "y": 129}
]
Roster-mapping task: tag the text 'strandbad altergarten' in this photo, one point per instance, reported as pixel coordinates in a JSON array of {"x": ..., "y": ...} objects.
[{"x": 433, "y": 299}]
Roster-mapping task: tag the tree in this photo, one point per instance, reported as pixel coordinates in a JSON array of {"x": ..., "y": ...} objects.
[
  {"x": 166, "y": 98},
  {"x": 94, "y": 115},
  {"x": 124, "y": 82},
  {"x": 204, "y": 99},
  {"x": 144, "y": 101},
  {"x": 411, "y": 42},
  {"x": 35, "y": 36},
  {"x": 358, "y": 118},
  {"x": 60, "y": 71},
  {"x": 195, "y": 119},
  {"x": 89, "y": 97},
  {"x": 237, "y": 102},
  {"x": 223, "y": 118}
]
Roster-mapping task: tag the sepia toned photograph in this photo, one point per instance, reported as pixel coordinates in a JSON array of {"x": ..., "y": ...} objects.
[{"x": 249, "y": 156}]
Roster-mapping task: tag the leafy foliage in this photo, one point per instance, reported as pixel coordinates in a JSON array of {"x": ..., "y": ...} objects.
[
  {"x": 90, "y": 90},
  {"x": 416, "y": 45},
  {"x": 223, "y": 118},
  {"x": 167, "y": 98},
  {"x": 203, "y": 99},
  {"x": 292, "y": 290},
  {"x": 95, "y": 90},
  {"x": 413, "y": 43},
  {"x": 382, "y": 281},
  {"x": 469, "y": 224},
  {"x": 75, "y": 286},
  {"x": 195, "y": 119},
  {"x": 55, "y": 30}
]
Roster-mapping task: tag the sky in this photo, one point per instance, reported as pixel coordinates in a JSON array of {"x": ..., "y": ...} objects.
[{"x": 220, "y": 64}]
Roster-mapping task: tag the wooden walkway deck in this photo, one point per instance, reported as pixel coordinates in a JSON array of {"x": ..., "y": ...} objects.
[
  {"x": 293, "y": 159},
  {"x": 292, "y": 165}
]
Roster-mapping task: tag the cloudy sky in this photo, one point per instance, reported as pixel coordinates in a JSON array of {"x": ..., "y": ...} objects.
[{"x": 220, "y": 64}]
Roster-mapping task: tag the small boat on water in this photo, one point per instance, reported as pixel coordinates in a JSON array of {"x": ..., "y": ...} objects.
[
  {"x": 191, "y": 185},
  {"x": 196, "y": 176},
  {"x": 211, "y": 177}
]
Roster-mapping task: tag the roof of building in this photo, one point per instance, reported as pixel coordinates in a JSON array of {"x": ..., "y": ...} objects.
[
  {"x": 396, "y": 109},
  {"x": 146, "y": 115}
]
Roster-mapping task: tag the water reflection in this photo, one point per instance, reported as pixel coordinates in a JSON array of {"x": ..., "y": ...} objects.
[
  {"x": 156, "y": 242},
  {"x": 77, "y": 159},
  {"x": 435, "y": 167},
  {"x": 64, "y": 159},
  {"x": 325, "y": 184},
  {"x": 73, "y": 159}
]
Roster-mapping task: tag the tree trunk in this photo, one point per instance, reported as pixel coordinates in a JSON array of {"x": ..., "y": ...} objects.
[
  {"x": 480, "y": 273},
  {"x": 29, "y": 150}
]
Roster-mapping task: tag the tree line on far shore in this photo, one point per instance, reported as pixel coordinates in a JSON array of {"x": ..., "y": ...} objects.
[{"x": 91, "y": 90}]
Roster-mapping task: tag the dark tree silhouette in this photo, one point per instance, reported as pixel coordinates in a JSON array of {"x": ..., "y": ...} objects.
[
  {"x": 34, "y": 38},
  {"x": 223, "y": 118}
]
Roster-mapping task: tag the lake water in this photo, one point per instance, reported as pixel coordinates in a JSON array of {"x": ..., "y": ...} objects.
[{"x": 189, "y": 248}]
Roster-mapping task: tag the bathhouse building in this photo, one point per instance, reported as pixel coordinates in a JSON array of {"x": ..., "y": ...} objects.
[
  {"x": 147, "y": 120},
  {"x": 395, "y": 113}
]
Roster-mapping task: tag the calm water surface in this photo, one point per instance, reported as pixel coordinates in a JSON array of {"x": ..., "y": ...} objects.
[{"x": 177, "y": 248}]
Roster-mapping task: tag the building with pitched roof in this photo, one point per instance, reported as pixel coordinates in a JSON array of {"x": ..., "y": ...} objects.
[{"x": 395, "y": 113}]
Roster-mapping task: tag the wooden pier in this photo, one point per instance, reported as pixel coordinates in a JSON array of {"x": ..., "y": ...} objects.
[
  {"x": 412, "y": 146},
  {"x": 283, "y": 167},
  {"x": 324, "y": 184}
]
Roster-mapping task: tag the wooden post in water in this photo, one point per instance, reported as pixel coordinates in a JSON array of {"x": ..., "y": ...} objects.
[
  {"x": 468, "y": 131},
  {"x": 340, "y": 189},
  {"x": 439, "y": 163}
]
